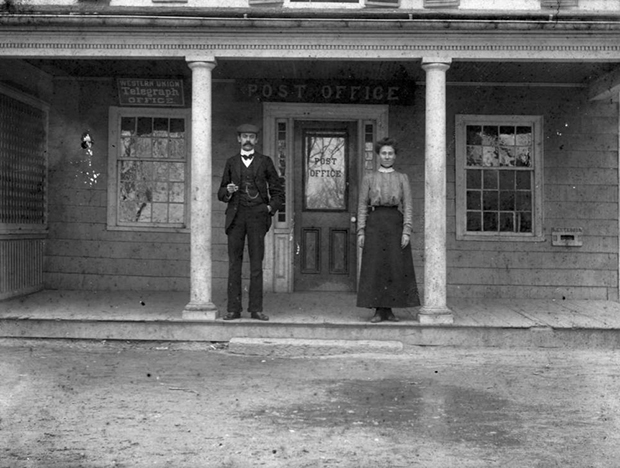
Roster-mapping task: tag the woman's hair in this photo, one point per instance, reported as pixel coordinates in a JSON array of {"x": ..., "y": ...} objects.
[{"x": 387, "y": 141}]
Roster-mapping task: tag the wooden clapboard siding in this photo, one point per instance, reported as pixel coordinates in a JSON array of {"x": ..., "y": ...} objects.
[
  {"x": 533, "y": 260},
  {"x": 82, "y": 253},
  {"x": 76, "y": 281},
  {"x": 518, "y": 292},
  {"x": 580, "y": 160}
]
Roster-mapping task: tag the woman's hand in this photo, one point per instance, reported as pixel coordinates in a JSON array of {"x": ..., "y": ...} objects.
[
  {"x": 404, "y": 241},
  {"x": 360, "y": 240}
]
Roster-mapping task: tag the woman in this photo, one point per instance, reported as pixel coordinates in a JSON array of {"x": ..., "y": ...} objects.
[{"x": 385, "y": 213}]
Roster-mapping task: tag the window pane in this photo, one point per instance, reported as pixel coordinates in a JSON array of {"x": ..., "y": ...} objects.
[
  {"x": 507, "y": 180},
  {"x": 145, "y": 126},
  {"x": 474, "y": 135},
  {"x": 507, "y": 201},
  {"x": 474, "y": 200},
  {"x": 474, "y": 222},
  {"x": 490, "y": 156},
  {"x": 524, "y": 180},
  {"x": 474, "y": 179},
  {"x": 490, "y": 200},
  {"x": 524, "y": 157},
  {"x": 506, "y": 156},
  {"x": 160, "y": 127},
  {"x": 525, "y": 222},
  {"x": 490, "y": 135},
  {"x": 128, "y": 126},
  {"x": 177, "y": 128},
  {"x": 524, "y": 136},
  {"x": 160, "y": 147},
  {"x": 506, "y": 222},
  {"x": 507, "y": 136},
  {"x": 176, "y": 213},
  {"x": 490, "y": 179},
  {"x": 474, "y": 155},
  {"x": 490, "y": 221},
  {"x": 325, "y": 178},
  {"x": 524, "y": 201}
]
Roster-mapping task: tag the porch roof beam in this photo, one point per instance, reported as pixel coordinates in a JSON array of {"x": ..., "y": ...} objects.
[
  {"x": 256, "y": 18},
  {"x": 550, "y": 16},
  {"x": 158, "y": 43}
]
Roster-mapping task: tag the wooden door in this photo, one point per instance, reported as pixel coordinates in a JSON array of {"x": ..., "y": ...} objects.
[{"x": 325, "y": 194}]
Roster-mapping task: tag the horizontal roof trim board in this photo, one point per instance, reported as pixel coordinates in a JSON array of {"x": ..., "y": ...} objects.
[
  {"x": 342, "y": 25},
  {"x": 94, "y": 10}
]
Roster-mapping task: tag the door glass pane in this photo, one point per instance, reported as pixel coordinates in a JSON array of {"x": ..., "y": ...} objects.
[{"x": 325, "y": 171}]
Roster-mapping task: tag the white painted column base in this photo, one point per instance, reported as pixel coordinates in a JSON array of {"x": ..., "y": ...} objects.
[
  {"x": 198, "y": 312},
  {"x": 435, "y": 316}
]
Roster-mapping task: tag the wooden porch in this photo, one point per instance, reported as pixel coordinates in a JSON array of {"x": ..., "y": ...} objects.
[{"x": 157, "y": 316}]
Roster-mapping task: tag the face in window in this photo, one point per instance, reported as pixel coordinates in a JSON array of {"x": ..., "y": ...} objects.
[
  {"x": 387, "y": 156},
  {"x": 247, "y": 141}
]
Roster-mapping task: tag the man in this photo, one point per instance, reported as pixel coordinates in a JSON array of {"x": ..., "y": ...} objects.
[{"x": 253, "y": 190}]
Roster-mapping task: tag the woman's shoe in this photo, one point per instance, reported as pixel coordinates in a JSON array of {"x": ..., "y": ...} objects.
[
  {"x": 389, "y": 316},
  {"x": 378, "y": 317}
]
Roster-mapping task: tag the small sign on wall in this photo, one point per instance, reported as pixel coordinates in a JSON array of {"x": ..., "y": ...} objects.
[
  {"x": 150, "y": 92},
  {"x": 568, "y": 237}
]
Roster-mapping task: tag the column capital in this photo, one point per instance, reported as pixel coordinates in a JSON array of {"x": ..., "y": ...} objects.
[
  {"x": 201, "y": 60},
  {"x": 439, "y": 63}
]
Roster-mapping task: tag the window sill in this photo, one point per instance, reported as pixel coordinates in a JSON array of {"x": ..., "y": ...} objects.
[
  {"x": 170, "y": 230},
  {"x": 500, "y": 238}
]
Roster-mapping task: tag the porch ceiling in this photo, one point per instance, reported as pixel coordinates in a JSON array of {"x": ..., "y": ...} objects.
[{"x": 497, "y": 72}]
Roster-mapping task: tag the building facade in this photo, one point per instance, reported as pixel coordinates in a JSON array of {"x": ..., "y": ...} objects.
[{"x": 118, "y": 116}]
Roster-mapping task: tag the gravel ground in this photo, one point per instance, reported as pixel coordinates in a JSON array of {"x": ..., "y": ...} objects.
[{"x": 66, "y": 404}]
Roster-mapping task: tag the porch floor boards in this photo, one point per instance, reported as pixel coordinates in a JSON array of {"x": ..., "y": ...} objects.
[{"x": 157, "y": 316}]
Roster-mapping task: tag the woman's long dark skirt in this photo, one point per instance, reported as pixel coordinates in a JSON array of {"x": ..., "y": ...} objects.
[{"x": 387, "y": 278}]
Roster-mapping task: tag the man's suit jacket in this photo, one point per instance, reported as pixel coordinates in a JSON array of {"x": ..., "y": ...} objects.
[{"x": 267, "y": 181}]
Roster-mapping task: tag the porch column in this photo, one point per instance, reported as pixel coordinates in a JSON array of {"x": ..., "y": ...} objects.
[
  {"x": 435, "y": 309},
  {"x": 201, "y": 306}
]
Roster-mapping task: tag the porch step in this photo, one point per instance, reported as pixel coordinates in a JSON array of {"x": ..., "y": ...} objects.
[{"x": 291, "y": 347}]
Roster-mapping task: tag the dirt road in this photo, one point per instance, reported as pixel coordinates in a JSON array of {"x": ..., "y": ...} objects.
[{"x": 111, "y": 404}]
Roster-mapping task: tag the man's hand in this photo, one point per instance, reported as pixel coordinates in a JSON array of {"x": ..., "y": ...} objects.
[{"x": 232, "y": 188}]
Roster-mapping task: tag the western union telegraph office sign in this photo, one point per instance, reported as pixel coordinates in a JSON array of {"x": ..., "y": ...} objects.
[{"x": 150, "y": 92}]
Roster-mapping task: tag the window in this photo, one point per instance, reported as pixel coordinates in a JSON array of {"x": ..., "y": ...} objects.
[
  {"x": 148, "y": 169},
  {"x": 499, "y": 177}
]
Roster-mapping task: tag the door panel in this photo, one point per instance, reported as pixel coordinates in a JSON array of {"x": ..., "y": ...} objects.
[{"x": 325, "y": 189}]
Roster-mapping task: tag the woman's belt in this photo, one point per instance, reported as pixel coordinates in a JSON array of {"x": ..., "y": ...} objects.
[{"x": 375, "y": 207}]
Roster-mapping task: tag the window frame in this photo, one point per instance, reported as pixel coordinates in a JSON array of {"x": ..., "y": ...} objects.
[
  {"x": 114, "y": 121},
  {"x": 461, "y": 122}
]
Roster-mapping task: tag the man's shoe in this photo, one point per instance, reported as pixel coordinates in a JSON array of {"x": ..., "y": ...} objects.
[
  {"x": 232, "y": 316},
  {"x": 259, "y": 316}
]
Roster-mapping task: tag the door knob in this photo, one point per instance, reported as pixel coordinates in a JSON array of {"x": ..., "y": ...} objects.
[{"x": 353, "y": 219}]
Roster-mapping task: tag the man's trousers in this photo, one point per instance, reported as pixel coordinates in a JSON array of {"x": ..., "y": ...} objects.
[{"x": 253, "y": 223}]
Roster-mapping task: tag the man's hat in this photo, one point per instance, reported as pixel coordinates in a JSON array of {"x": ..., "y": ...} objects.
[{"x": 247, "y": 128}]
